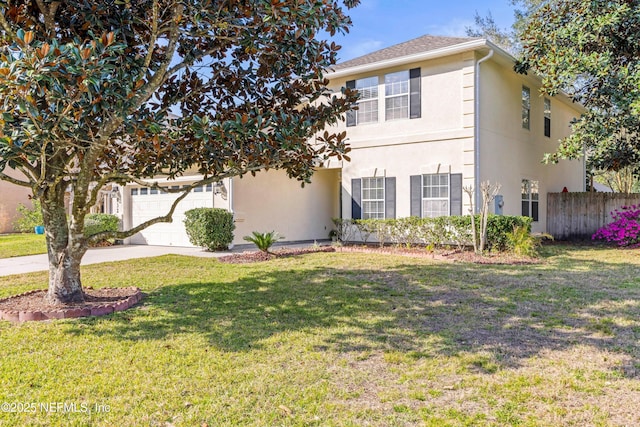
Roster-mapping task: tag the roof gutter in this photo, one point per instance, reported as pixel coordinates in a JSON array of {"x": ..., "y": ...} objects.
[
  {"x": 476, "y": 128},
  {"x": 403, "y": 60}
]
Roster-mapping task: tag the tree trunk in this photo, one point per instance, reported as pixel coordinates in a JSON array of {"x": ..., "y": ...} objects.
[
  {"x": 65, "y": 249},
  {"x": 64, "y": 278}
]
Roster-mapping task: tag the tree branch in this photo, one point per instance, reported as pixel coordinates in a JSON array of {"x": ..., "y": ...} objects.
[
  {"x": 5, "y": 177},
  {"x": 7, "y": 28}
]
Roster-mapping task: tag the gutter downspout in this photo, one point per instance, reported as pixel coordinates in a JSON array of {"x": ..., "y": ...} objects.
[{"x": 476, "y": 129}]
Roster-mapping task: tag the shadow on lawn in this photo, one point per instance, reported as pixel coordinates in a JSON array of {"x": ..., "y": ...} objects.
[{"x": 434, "y": 309}]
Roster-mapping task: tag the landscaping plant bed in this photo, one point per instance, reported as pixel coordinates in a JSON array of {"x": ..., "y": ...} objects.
[
  {"x": 446, "y": 255},
  {"x": 32, "y": 305},
  {"x": 258, "y": 256}
]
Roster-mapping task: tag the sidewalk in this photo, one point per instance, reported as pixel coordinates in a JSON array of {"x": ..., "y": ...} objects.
[{"x": 29, "y": 264}]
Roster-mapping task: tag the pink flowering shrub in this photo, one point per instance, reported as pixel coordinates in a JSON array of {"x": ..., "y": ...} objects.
[{"x": 625, "y": 228}]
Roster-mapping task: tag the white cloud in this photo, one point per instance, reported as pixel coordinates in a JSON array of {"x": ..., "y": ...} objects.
[{"x": 454, "y": 28}]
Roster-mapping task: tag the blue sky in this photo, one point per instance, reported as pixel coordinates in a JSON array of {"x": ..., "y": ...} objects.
[{"x": 382, "y": 23}]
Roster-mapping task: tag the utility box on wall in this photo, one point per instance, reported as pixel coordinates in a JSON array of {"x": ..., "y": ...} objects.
[{"x": 499, "y": 201}]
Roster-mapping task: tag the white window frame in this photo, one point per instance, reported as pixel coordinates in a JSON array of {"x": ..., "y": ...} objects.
[
  {"x": 429, "y": 213},
  {"x": 526, "y": 108},
  {"x": 368, "y": 92},
  {"x": 396, "y": 89},
  {"x": 530, "y": 197},
  {"x": 368, "y": 202}
]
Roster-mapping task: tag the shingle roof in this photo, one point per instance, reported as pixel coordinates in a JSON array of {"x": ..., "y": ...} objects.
[{"x": 418, "y": 45}]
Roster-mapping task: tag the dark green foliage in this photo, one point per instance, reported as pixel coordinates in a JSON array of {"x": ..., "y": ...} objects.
[
  {"x": 591, "y": 50},
  {"x": 440, "y": 231},
  {"x": 28, "y": 217},
  {"x": 499, "y": 227},
  {"x": 210, "y": 228},
  {"x": 100, "y": 223},
  {"x": 101, "y": 93},
  {"x": 263, "y": 241}
]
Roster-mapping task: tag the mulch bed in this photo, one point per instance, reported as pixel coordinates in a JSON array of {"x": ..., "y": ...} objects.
[
  {"x": 258, "y": 256},
  {"x": 32, "y": 305}
]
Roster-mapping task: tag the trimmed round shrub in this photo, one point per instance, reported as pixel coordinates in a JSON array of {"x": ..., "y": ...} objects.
[
  {"x": 210, "y": 228},
  {"x": 100, "y": 223}
]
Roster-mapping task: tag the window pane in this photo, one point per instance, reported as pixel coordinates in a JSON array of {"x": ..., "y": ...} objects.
[
  {"x": 134, "y": 191},
  {"x": 153, "y": 191},
  {"x": 526, "y": 106},
  {"x": 396, "y": 83},
  {"x": 435, "y": 194},
  {"x": 397, "y": 107},
  {"x": 396, "y": 89},
  {"x": 369, "y": 84},
  {"x": 367, "y": 111},
  {"x": 373, "y": 198},
  {"x": 525, "y": 208},
  {"x": 547, "y": 108},
  {"x": 525, "y": 189},
  {"x": 435, "y": 208},
  {"x": 143, "y": 191}
]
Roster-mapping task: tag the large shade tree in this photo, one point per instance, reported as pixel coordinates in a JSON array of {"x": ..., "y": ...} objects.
[
  {"x": 591, "y": 50},
  {"x": 93, "y": 93}
]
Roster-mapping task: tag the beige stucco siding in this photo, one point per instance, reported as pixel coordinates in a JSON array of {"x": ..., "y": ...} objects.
[
  {"x": 272, "y": 201},
  {"x": 442, "y": 104},
  {"x": 510, "y": 153},
  {"x": 11, "y": 196},
  {"x": 401, "y": 161}
]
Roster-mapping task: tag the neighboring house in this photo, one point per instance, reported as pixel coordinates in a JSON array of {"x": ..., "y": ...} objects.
[
  {"x": 12, "y": 195},
  {"x": 435, "y": 114}
]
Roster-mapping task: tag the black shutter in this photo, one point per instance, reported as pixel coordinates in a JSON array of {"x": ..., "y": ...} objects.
[
  {"x": 351, "y": 114},
  {"x": 390, "y": 198},
  {"x": 455, "y": 181},
  {"x": 414, "y": 93},
  {"x": 547, "y": 127},
  {"x": 415, "y": 193},
  {"x": 356, "y": 198}
]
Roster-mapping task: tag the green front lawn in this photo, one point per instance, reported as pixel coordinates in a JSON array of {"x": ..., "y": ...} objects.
[
  {"x": 339, "y": 340},
  {"x": 12, "y": 245}
]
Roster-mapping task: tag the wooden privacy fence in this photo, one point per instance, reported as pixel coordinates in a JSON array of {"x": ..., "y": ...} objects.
[{"x": 579, "y": 215}]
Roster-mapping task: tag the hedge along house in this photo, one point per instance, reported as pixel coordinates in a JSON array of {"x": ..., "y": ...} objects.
[{"x": 435, "y": 114}]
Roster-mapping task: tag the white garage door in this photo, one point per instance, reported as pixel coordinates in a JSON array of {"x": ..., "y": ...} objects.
[{"x": 147, "y": 203}]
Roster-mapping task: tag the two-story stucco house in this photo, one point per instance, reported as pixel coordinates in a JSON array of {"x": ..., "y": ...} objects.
[{"x": 435, "y": 114}]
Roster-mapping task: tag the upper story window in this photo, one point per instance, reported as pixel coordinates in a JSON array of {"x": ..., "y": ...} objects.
[
  {"x": 401, "y": 96},
  {"x": 367, "y": 103},
  {"x": 396, "y": 92},
  {"x": 373, "y": 198},
  {"x": 547, "y": 118},
  {"x": 526, "y": 106},
  {"x": 530, "y": 198}
]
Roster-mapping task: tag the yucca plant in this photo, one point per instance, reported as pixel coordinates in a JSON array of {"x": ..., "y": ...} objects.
[{"x": 263, "y": 241}]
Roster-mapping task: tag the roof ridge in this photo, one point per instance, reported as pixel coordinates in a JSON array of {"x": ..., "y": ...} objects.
[{"x": 419, "y": 44}]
